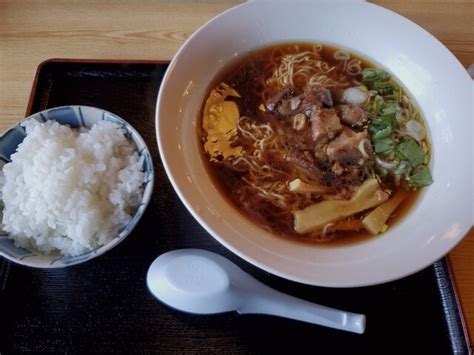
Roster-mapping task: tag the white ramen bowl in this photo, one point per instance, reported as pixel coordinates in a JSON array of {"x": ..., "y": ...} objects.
[{"x": 434, "y": 77}]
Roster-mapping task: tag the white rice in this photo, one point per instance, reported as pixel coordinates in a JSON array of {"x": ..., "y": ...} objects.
[{"x": 70, "y": 190}]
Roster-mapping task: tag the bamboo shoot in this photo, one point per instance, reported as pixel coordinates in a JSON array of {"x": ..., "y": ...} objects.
[
  {"x": 299, "y": 186},
  {"x": 318, "y": 215},
  {"x": 375, "y": 221}
]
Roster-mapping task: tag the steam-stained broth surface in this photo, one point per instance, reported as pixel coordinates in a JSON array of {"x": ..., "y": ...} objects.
[{"x": 293, "y": 126}]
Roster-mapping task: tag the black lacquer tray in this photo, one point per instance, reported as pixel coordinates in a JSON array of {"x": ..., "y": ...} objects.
[{"x": 105, "y": 306}]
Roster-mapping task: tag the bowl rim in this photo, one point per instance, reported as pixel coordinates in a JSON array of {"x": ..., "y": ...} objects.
[{"x": 124, "y": 232}]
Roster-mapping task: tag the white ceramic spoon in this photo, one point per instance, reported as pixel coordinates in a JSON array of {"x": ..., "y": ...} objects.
[{"x": 198, "y": 281}]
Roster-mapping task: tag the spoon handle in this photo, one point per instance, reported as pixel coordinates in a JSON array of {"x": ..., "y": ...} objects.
[{"x": 272, "y": 302}]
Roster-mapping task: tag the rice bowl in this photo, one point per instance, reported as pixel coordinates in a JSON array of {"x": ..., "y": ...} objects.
[{"x": 71, "y": 194}]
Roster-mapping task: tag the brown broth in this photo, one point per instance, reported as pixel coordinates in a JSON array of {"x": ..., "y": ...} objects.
[{"x": 226, "y": 181}]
